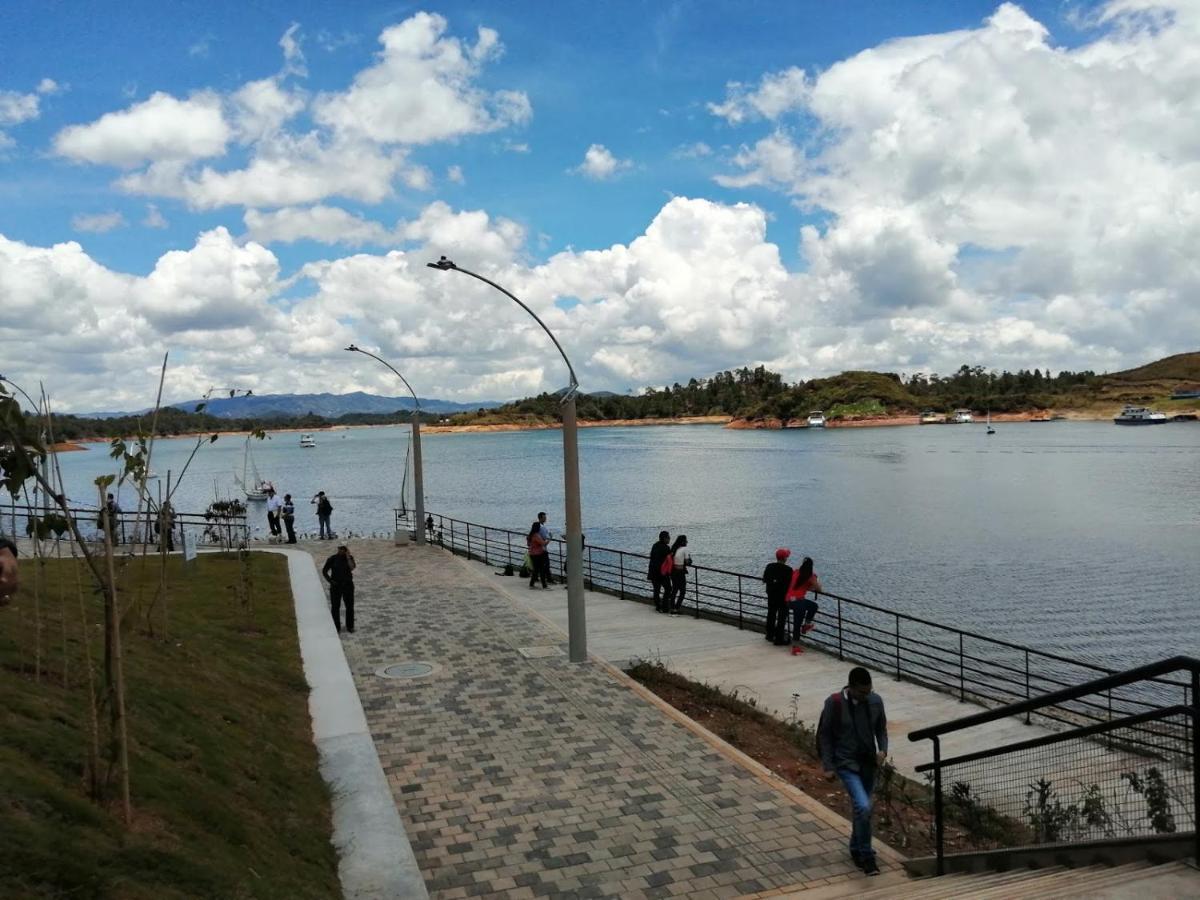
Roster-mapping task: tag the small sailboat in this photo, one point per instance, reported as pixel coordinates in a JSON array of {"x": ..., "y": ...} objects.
[
  {"x": 253, "y": 485},
  {"x": 990, "y": 429}
]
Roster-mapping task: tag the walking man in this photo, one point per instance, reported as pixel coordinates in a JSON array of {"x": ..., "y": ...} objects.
[
  {"x": 777, "y": 576},
  {"x": 660, "y": 581},
  {"x": 852, "y": 737},
  {"x": 274, "y": 507},
  {"x": 324, "y": 511},
  {"x": 339, "y": 572},
  {"x": 289, "y": 518}
]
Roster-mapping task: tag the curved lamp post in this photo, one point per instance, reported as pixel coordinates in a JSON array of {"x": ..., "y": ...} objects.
[
  {"x": 418, "y": 471},
  {"x": 576, "y": 620}
]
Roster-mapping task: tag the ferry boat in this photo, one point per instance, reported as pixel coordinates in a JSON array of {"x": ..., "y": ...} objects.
[
  {"x": 1190, "y": 392},
  {"x": 816, "y": 419},
  {"x": 306, "y": 440},
  {"x": 963, "y": 417},
  {"x": 929, "y": 417},
  {"x": 1140, "y": 415}
]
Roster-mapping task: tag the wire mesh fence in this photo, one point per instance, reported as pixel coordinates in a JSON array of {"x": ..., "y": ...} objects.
[
  {"x": 223, "y": 525},
  {"x": 1125, "y": 780}
]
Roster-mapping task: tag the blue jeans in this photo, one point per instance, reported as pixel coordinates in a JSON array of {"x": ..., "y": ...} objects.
[{"x": 859, "y": 786}]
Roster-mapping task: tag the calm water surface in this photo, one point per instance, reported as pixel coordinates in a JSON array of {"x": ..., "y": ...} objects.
[{"x": 1076, "y": 537}]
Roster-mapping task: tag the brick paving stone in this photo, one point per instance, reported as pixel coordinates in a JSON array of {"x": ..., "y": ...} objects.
[{"x": 535, "y": 777}]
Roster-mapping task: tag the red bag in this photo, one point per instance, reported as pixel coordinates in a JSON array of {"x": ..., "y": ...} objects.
[{"x": 668, "y": 564}]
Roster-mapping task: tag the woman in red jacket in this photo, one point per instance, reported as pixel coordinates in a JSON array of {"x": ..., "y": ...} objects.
[
  {"x": 803, "y": 609},
  {"x": 538, "y": 555}
]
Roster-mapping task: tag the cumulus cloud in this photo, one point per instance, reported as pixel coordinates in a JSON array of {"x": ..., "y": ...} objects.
[
  {"x": 599, "y": 163},
  {"x": 154, "y": 218},
  {"x": 16, "y": 108},
  {"x": 326, "y": 224},
  {"x": 97, "y": 223},
  {"x": 776, "y": 94},
  {"x": 161, "y": 128},
  {"x": 422, "y": 88}
]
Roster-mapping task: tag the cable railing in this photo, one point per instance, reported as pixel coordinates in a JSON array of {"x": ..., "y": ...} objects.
[
  {"x": 970, "y": 666},
  {"x": 1133, "y": 777}
]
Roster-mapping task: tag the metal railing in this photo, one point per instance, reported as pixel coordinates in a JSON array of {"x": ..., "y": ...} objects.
[
  {"x": 135, "y": 528},
  {"x": 1135, "y": 776},
  {"x": 970, "y": 666}
]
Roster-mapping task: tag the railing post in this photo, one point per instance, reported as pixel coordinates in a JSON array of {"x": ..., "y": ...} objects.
[
  {"x": 561, "y": 571},
  {"x": 468, "y": 524},
  {"x": 1027, "y": 694},
  {"x": 485, "y": 543},
  {"x": 508, "y": 543},
  {"x": 620, "y": 571},
  {"x": 696, "y": 590},
  {"x": 1196, "y": 764},
  {"x": 739, "y": 602},
  {"x": 897, "y": 615},
  {"x": 453, "y": 544},
  {"x": 839, "y": 606},
  {"x": 591, "y": 579},
  {"x": 962, "y": 693},
  {"x": 938, "y": 824}
]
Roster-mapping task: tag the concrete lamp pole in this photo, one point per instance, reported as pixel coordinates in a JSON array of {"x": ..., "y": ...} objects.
[
  {"x": 418, "y": 470},
  {"x": 576, "y": 619}
]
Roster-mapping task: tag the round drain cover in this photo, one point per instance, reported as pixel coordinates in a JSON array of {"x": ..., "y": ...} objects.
[{"x": 406, "y": 670}]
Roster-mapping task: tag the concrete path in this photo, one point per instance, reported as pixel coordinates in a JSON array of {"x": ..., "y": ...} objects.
[{"x": 518, "y": 774}]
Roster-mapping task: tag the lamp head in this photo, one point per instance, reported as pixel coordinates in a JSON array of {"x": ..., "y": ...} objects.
[
  {"x": 443, "y": 264},
  {"x": 352, "y": 348}
]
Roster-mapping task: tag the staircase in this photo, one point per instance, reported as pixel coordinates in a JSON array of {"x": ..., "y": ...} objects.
[{"x": 1141, "y": 880}]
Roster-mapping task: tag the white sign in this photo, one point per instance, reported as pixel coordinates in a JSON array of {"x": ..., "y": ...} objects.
[{"x": 189, "y": 546}]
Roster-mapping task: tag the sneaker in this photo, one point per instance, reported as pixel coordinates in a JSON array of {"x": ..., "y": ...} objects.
[
  {"x": 808, "y": 626},
  {"x": 869, "y": 866},
  {"x": 797, "y": 650}
]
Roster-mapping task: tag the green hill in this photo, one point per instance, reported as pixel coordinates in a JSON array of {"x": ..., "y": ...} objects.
[{"x": 1180, "y": 367}]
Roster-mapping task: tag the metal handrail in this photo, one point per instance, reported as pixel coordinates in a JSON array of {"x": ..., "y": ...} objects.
[{"x": 966, "y": 664}]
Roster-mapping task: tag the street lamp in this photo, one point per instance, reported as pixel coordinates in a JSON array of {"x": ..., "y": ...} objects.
[
  {"x": 576, "y": 620},
  {"x": 418, "y": 471}
]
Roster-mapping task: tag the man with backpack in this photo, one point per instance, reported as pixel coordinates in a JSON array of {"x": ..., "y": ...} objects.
[
  {"x": 660, "y": 582},
  {"x": 852, "y": 740}
]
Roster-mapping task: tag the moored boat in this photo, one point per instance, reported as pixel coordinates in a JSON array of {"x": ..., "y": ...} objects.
[
  {"x": 306, "y": 440},
  {"x": 963, "y": 417},
  {"x": 929, "y": 417},
  {"x": 1139, "y": 415},
  {"x": 816, "y": 419}
]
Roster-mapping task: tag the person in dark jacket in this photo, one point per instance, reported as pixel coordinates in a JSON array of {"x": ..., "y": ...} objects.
[
  {"x": 339, "y": 572},
  {"x": 777, "y": 576},
  {"x": 660, "y": 582},
  {"x": 679, "y": 572},
  {"x": 324, "y": 511},
  {"x": 852, "y": 738},
  {"x": 289, "y": 517}
]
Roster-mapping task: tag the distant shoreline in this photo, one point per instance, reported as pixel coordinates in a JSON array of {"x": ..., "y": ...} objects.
[{"x": 731, "y": 422}]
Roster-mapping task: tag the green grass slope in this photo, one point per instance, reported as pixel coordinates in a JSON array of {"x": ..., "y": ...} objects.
[{"x": 227, "y": 797}]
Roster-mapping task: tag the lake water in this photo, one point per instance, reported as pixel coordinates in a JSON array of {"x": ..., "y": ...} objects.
[{"x": 1066, "y": 536}]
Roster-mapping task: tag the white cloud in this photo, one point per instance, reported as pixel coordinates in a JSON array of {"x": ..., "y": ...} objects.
[
  {"x": 599, "y": 163},
  {"x": 154, "y": 218},
  {"x": 98, "y": 223},
  {"x": 293, "y": 55},
  {"x": 161, "y": 128},
  {"x": 421, "y": 89},
  {"x": 326, "y": 224},
  {"x": 455, "y": 175},
  {"x": 697, "y": 150},
  {"x": 777, "y": 93},
  {"x": 260, "y": 108},
  {"x": 49, "y": 86}
]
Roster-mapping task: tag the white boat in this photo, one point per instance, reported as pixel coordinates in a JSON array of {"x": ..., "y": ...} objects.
[
  {"x": 253, "y": 485},
  {"x": 1139, "y": 415},
  {"x": 963, "y": 417},
  {"x": 816, "y": 419},
  {"x": 306, "y": 440}
]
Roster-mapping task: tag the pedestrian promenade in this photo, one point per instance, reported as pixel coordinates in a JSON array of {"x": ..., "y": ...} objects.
[{"x": 519, "y": 774}]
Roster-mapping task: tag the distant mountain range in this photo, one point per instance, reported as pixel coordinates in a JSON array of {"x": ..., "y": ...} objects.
[{"x": 329, "y": 406}]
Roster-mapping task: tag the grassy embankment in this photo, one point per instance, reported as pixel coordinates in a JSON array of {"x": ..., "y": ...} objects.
[{"x": 227, "y": 797}]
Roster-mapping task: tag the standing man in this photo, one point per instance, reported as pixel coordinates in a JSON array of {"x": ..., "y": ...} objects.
[
  {"x": 274, "y": 507},
  {"x": 852, "y": 737},
  {"x": 289, "y": 518},
  {"x": 660, "y": 582},
  {"x": 324, "y": 511},
  {"x": 113, "y": 508},
  {"x": 777, "y": 576},
  {"x": 339, "y": 572}
]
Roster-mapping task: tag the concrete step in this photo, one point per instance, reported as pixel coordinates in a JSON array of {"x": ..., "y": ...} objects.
[
  {"x": 951, "y": 887},
  {"x": 1054, "y": 884},
  {"x": 1169, "y": 881}
]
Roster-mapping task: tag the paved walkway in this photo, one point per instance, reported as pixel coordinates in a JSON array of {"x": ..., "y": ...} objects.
[{"x": 518, "y": 774}]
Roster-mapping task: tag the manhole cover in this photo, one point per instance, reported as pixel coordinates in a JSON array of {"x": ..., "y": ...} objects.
[
  {"x": 540, "y": 652},
  {"x": 406, "y": 670}
]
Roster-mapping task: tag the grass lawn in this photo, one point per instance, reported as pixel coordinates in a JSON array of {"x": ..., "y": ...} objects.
[{"x": 227, "y": 797}]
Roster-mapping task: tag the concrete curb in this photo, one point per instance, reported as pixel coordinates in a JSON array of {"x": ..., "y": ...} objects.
[{"x": 375, "y": 859}]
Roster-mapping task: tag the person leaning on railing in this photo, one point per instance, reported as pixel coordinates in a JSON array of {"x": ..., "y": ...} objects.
[
  {"x": 9, "y": 574},
  {"x": 804, "y": 610}
]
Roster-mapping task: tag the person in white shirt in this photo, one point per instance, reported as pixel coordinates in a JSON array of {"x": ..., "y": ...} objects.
[
  {"x": 274, "y": 507},
  {"x": 547, "y": 536},
  {"x": 679, "y": 572}
]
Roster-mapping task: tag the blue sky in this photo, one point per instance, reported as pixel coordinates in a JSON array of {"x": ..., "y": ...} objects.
[{"x": 888, "y": 164}]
